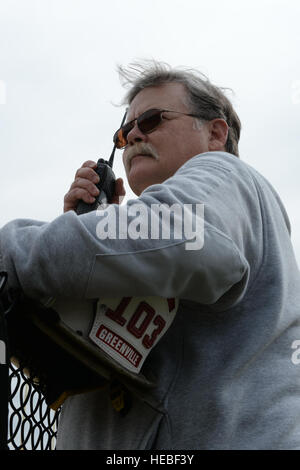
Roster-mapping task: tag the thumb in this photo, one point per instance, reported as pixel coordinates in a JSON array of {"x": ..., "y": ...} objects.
[{"x": 119, "y": 192}]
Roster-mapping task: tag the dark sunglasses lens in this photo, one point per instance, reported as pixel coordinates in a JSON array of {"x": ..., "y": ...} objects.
[
  {"x": 120, "y": 137},
  {"x": 146, "y": 123},
  {"x": 149, "y": 120}
]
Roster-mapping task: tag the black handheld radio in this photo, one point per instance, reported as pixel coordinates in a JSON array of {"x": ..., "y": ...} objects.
[{"x": 106, "y": 184}]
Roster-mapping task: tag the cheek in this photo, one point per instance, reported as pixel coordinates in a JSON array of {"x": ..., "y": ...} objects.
[
  {"x": 125, "y": 166},
  {"x": 174, "y": 155}
]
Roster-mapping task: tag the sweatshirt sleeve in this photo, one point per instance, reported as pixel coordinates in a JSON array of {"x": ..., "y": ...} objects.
[{"x": 117, "y": 252}]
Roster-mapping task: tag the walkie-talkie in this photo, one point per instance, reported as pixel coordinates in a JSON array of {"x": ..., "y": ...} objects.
[{"x": 106, "y": 184}]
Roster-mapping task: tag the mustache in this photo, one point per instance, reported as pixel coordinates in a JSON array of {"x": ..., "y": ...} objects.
[{"x": 140, "y": 148}]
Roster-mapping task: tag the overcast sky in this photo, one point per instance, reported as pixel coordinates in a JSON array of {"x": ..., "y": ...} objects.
[{"x": 59, "y": 86}]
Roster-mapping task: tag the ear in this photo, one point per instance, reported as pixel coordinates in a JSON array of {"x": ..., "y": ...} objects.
[{"x": 218, "y": 133}]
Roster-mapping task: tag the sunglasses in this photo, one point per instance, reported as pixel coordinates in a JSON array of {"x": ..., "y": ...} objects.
[{"x": 146, "y": 122}]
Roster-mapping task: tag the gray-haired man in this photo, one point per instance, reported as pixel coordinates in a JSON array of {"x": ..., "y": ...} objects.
[{"x": 223, "y": 364}]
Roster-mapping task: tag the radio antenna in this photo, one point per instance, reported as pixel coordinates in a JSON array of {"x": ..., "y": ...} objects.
[{"x": 111, "y": 158}]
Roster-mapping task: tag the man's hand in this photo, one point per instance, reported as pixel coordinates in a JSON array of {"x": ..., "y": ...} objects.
[{"x": 84, "y": 187}]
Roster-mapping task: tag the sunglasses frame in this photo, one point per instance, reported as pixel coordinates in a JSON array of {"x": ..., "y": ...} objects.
[{"x": 140, "y": 119}]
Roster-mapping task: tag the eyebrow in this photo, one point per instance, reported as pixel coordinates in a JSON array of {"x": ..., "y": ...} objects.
[
  {"x": 126, "y": 122},
  {"x": 147, "y": 109}
]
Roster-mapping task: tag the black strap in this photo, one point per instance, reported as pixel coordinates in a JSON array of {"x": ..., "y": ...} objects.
[{"x": 4, "y": 370}]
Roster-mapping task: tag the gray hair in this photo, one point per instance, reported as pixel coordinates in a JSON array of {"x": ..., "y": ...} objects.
[{"x": 204, "y": 99}]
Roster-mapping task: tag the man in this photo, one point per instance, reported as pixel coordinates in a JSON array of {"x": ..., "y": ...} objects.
[{"x": 223, "y": 366}]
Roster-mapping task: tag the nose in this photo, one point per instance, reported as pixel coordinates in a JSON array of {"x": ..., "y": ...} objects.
[{"x": 135, "y": 135}]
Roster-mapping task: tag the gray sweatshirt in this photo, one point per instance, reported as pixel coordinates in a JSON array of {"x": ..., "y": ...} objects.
[{"x": 227, "y": 370}]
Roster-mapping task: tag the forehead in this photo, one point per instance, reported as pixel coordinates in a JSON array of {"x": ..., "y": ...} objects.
[{"x": 172, "y": 96}]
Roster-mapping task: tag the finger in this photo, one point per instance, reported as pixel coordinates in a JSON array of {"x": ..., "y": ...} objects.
[
  {"x": 89, "y": 163},
  {"x": 86, "y": 184},
  {"x": 119, "y": 192},
  {"x": 72, "y": 198},
  {"x": 83, "y": 187},
  {"x": 120, "y": 189},
  {"x": 87, "y": 173}
]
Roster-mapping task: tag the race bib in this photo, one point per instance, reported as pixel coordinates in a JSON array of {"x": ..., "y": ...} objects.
[{"x": 128, "y": 328}]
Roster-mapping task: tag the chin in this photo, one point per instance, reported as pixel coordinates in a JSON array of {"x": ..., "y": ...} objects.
[
  {"x": 140, "y": 177},
  {"x": 138, "y": 185},
  {"x": 137, "y": 189},
  {"x": 139, "y": 182}
]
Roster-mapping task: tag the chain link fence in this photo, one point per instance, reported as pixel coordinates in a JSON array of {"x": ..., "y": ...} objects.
[
  {"x": 32, "y": 425},
  {"x": 26, "y": 421}
]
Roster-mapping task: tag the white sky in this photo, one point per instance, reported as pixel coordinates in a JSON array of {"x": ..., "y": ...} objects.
[{"x": 58, "y": 83}]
